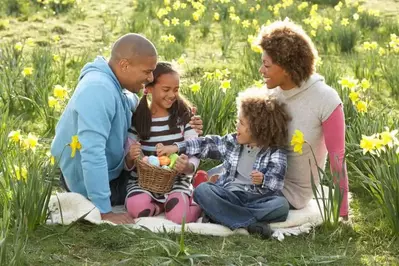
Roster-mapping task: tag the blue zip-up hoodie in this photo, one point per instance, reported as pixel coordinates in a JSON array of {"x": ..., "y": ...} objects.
[{"x": 99, "y": 113}]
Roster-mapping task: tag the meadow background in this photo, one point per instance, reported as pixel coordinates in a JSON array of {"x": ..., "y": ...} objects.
[{"x": 45, "y": 43}]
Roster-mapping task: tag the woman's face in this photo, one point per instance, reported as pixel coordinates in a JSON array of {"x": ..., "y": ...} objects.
[{"x": 273, "y": 74}]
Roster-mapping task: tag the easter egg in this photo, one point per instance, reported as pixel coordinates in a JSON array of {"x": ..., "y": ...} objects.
[
  {"x": 173, "y": 157},
  {"x": 153, "y": 160},
  {"x": 164, "y": 160},
  {"x": 145, "y": 159},
  {"x": 165, "y": 167}
]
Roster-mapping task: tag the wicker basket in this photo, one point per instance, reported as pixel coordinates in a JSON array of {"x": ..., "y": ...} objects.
[{"x": 155, "y": 179}]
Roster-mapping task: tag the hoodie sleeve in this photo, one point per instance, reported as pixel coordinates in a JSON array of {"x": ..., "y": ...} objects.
[{"x": 95, "y": 108}]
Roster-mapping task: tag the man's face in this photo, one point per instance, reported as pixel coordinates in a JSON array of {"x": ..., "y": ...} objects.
[{"x": 134, "y": 75}]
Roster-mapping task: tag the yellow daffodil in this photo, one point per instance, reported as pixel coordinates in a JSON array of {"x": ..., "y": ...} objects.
[
  {"x": 381, "y": 51},
  {"x": 162, "y": 12},
  {"x": 51, "y": 158},
  {"x": 245, "y": 24},
  {"x": 365, "y": 84},
  {"x": 30, "y": 42},
  {"x": 216, "y": 16},
  {"x": 60, "y": 92},
  {"x": 225, "y": 84},
  {"x": 345, "y": 22},
  {"x": 21, "y": 174},
  {"x": 297, "y": 141},
  {"x": 356, "y": 16},
  {"x": 302, "y": 6},
  {"x": 368, "y": 143},
  {"x": 175, "y": 21},
  {"x": 196, "y": 16},
  {"x": 208, "y": 76},
  {"x": 56, "y": 38},
  {"x": 361, "y": 107},
  {"x": 187, "y": 23},
  {"x": 256, "y": 49},
  {"x": 195, "y": 87},
  {"x": 354, "y": 96},
  {"x": 171, "y": 38},
  {"x": 166, "y": 22},
  {"x": 259, "y": 83},
  {"x": 31, "y": 142},
  {"x": 18, "y": 46},
  {"x": 15, "y": 136},
  {"x": 75, "y": 145},
  {"x": 28, "y": 71},
  {"x": 56, "y": 57},
  {"x": 181, "y": 60},
  {"x": 388, "y": 137}
]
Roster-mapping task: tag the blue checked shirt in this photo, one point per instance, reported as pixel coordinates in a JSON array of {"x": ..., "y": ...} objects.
[{"x": 272, "y": 162}]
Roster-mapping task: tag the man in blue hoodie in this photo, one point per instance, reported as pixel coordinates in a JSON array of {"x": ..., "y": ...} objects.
[{"x": 90, "y": 135}]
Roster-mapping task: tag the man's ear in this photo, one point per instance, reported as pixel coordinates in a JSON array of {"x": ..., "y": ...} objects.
[{"x": 123, "y": 64}]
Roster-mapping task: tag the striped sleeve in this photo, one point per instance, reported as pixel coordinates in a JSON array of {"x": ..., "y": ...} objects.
[{"x": 190, "y": 133}]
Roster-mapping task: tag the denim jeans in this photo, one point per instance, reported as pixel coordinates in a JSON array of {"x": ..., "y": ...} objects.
[{"x": 236, "y": 209}]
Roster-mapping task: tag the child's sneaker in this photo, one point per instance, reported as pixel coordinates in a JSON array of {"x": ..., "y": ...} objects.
[
  {"x": 262, "y": 229},
  {"x": 200, "y": 177}
]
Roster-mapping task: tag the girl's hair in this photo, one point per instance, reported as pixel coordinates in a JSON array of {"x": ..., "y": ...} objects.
[
  {"x": 267, "y": 117},
  {"x": 180, "y": 111},
  {"x": 291, "y": 48}
]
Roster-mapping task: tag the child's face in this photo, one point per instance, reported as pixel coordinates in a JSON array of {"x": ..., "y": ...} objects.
[
  {"x": 165, "y": 91},
  {"x": 243, "y": 133}
]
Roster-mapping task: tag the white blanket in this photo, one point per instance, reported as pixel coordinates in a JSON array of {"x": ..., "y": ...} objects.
[{"x": 66, "y": 208}]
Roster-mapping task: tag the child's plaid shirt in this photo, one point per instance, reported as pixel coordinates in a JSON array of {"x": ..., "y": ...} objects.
[{"x": 272, "y": 162}]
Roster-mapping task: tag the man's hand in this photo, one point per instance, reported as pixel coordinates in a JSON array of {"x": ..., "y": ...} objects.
[
  {"x": 183, "y": 165},
  {"x": 117, "y": 218},
  {"x": 257, "y": 177},
  {"x": 166, "y": 150},
  {"x": 196, "y": 121}
]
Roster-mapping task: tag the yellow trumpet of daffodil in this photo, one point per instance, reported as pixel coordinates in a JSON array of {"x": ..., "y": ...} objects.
[
  {"x": 297, "y": 141},
  {"x": 75, "y": 145}
]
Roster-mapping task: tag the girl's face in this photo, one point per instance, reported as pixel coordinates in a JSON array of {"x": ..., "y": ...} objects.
[
  {"x": 165, "y": 91},
  {"x": 243, "y": 131}
]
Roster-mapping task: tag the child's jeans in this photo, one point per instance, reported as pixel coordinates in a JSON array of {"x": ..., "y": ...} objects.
[
  {"x": 177, "y": 206},
  {"x": 236, "y": 209}
]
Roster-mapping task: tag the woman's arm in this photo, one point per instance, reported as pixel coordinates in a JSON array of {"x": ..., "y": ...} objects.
[{"x": 334, "y": 137}]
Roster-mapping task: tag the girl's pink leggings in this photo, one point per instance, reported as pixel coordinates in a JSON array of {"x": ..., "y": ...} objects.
[{"x": 176, "y": 207}]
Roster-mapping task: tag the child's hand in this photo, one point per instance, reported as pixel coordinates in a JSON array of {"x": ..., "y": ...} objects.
[
  {"x": 183, "y": 165},
  {"x": 134, "y": 151},
  {"x": 257, "y": 177},
  {"x": 165, "y": 150}
]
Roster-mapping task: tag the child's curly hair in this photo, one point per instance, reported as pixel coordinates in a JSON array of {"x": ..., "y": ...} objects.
[
  {"x": 291, "y": 48},
  {"x": 267, "y": 117}
]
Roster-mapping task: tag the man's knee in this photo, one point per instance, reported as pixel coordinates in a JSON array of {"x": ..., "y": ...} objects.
[{"x": 202, "y": 191}]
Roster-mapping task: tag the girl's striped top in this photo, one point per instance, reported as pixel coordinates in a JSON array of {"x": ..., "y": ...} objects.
[{"x": 161, "y": 133}]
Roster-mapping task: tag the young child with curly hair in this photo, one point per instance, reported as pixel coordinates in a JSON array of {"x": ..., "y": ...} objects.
[{"x": 248, "y": 193}]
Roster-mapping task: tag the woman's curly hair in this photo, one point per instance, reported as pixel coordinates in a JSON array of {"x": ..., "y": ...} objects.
[
  {"x": 267, "y": 117},
  {"x": 291, "y": 48}
]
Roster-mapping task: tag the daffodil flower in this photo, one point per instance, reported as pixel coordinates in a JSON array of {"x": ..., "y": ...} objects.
[
  {"x": 75, "y": 145},
  {"x": 297, "y": 141}
]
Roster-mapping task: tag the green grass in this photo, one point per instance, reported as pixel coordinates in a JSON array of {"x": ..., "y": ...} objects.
[{"x": 361, "y": 242}]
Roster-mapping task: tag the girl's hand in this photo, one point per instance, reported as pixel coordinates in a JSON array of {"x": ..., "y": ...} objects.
[
  {"x": 196, "y": 121},
  {"x": 166, "y": 150},
  {"x": 257, "y": 177}
]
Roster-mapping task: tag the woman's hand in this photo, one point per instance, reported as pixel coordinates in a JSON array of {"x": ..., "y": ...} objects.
[
  {"x": 196, "y": 121},
  {"x": 166, "y": 150}
]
